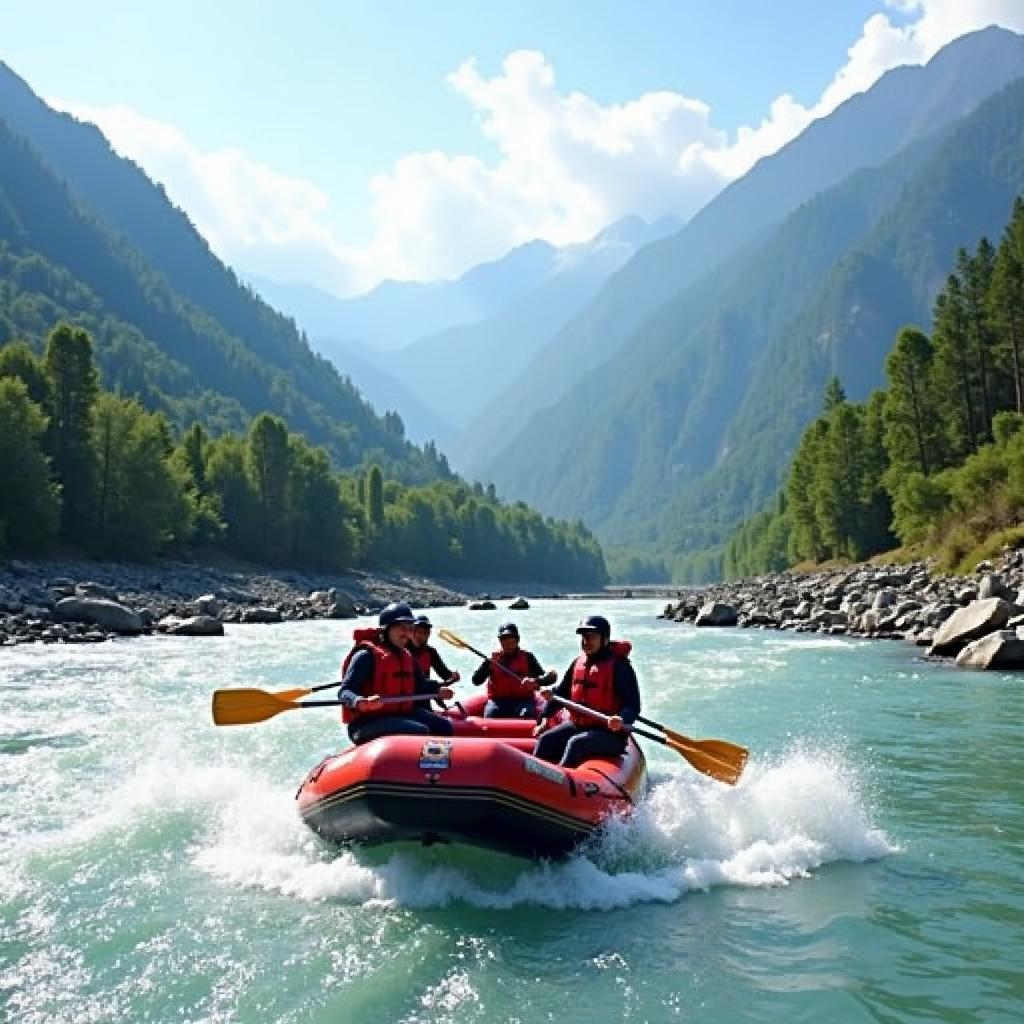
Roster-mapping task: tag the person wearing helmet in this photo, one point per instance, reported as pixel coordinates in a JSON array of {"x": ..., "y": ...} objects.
[
  {"x": 380, "y": 667},
  {"x": 601, "y": 678},
  {"x": 513, "y": 676},
  {"x": 426, "y": 656}
]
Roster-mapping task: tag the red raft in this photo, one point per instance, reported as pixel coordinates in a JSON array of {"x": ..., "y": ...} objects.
[{"x": 481, "y": 786}]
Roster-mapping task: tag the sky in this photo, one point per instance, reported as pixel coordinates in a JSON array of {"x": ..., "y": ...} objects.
[{"x": 341, "y": 143}]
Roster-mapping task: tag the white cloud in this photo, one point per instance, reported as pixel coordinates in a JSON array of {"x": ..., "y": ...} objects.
[{"x": 567, "y": 165}]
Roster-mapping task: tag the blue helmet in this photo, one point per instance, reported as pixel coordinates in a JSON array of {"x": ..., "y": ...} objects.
[
  {"x": 509, "y": 629},
  {"x": 595, "y": 624},
  {"x": 394, "y": 613},
  {"x": 421, "y": 621}
]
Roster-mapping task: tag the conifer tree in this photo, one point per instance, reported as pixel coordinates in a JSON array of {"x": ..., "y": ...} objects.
[
  {"x": 73, "y": 382},
  {"x": 29, "y": 500}
]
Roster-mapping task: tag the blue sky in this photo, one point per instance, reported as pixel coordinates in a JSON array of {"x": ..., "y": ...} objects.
[{"x": 371, "y": 154}]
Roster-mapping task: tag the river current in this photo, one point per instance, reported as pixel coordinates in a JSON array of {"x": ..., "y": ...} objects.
[{"x": 869, "y": 866}]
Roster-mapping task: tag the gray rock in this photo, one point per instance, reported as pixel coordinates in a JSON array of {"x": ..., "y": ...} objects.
[
  {"x": 261, "y": 614},
  {"x": 883, "y": 599},
  {"x": 1002, "y": 649},
  {"x": 99, "y": 612},
  {"x": 978, "y": 619},
  {"x": 194, "y": 625},
  {"x": 715, "y": 613},
  {"x": 341, "y": 606},
  {"x": 90, "y": 589},
  {"x": 207, "y": 605},
  {"x": 990, "y": 585}
]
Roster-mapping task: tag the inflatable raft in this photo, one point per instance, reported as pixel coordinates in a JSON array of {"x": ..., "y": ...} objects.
[{"x": 481, "y": 786}]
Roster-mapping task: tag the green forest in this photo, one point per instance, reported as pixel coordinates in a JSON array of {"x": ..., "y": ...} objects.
[
  {"x": 934, "y": 461},
  {"x": 88, "y": 468}
]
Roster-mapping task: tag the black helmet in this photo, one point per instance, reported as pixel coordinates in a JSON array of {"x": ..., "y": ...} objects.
[
  {"x": 421, "y": 621},
  {"x": 395, "y": 612},
  {"x": 509, "y": 629},
  {"x": 596, "y": 624}
]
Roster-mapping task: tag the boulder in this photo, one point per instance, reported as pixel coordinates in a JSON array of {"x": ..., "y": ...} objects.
[
  {"x": 90, "y": 589},
  {"x": 98, "y": 612},
  {"x": 520, "y": 604},
  {"x": 972, "y": 622},
  {"x": 194, "y": 625},
  {"x": 341, "y": 606},
  {"x": 1002, "y": 649},
  {"x": 207, "y": 606},
  {"x": 261, "y": 614},
  {"x": 991, "y": 585},
  {"x": 716, "y": 613}
]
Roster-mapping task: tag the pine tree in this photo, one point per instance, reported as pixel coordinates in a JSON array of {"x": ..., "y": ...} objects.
[
  {"x": 1006, "y": 306},
  {"x": 912, "y": 423},
  {"x": 269, "y": 467},
  {"x": 73, "y": 382},
  {"x": 29, "y": 500}
]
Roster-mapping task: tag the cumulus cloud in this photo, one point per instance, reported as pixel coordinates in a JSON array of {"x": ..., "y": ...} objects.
[{"x": 566, "y": 164}]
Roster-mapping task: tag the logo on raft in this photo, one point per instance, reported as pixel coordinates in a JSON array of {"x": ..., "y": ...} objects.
[
  {"x": 436, "y": 754},
  {"x": 544, "y": 770}
]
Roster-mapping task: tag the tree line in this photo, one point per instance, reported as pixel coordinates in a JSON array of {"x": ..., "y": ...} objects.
[
  {"x": 936, "y": 458},
  {"x": 86, "y": 467}
]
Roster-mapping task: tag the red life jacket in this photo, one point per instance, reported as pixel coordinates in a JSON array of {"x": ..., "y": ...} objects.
[
  {"x": 421, "y": 655},
  {"x": 593, "y": 684},
  {"x": 392, "y": 675},
  {"x": 501, "y": 686}
]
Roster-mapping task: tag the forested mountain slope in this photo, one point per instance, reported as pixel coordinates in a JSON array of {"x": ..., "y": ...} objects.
[
  {"x": 698, "y": 417},
  {"x": 172, "y": 323},
  {"x": 907, "y": 103}
]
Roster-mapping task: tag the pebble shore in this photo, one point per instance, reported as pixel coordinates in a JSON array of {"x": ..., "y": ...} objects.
[
  {"x": 88, "y": 602},
  {"x": 978, "y": 620}
]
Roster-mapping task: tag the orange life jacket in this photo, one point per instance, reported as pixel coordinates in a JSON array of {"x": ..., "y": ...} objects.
[
  {"x": 392, "y": 675},
  {"x": 593, "y": 684},
  {"x": 501, "y": 686},
  {"x": 421, "y": 655}
]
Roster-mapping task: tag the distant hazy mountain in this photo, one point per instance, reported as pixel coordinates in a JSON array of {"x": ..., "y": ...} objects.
[
  {"x": 389, "y": 381},
  {"x": 691, "y": 426},
  {"x": 530, "y": 294},
  {"x": 396, "y": 313},
  {"x": 86, "y": 236},
  {"x": 907, "y": 103}
]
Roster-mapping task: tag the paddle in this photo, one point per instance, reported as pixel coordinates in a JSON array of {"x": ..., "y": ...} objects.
[
  {"x": 722, "y": 749},
  {"x": 248, "y": 706},
  {"x": 718, "y": 758},
  {"x": 456, "y": 641},
  {"x": 726, "y": 770}
]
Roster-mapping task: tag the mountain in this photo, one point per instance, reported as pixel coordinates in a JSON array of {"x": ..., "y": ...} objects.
[
  {"x": 388, "y": 381},
  {"x": 710, "y": 397},
  {"x": 905, "y": 104},
  {"x": 85, "y": 235},
  {"x": 464, "y": 367},
  {"x": 396, "y": 313},
  {"x": 457, "y": 370}
]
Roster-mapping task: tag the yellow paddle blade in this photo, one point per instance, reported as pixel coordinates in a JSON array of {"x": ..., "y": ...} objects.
[
  {"x": 722, "y": 749},
  {"x": 293, "y": 694},
  {"x": 246, "y": 707},
  {"x": 727, "y": 769},
  {"x": 451, "y": 638}
]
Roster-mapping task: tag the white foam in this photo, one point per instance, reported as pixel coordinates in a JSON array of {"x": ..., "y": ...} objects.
[{"x": 784, "y": 821}]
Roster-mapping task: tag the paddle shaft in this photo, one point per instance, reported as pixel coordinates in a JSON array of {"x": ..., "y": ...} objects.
[
  {"x": 493, "y": 661},
  {"x": 583, "y": 709}
]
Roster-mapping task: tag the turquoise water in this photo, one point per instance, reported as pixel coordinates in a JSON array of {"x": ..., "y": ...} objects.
[{"x": 867, "y": 868}]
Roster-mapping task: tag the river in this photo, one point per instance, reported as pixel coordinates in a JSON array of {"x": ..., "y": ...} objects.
[{"x": 869, "y": 866}]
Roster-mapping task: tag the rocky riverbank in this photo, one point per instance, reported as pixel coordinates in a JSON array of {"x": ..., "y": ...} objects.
[
  {"x": 86, "y": 602},
  {"x": 977, "y": 620}
]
